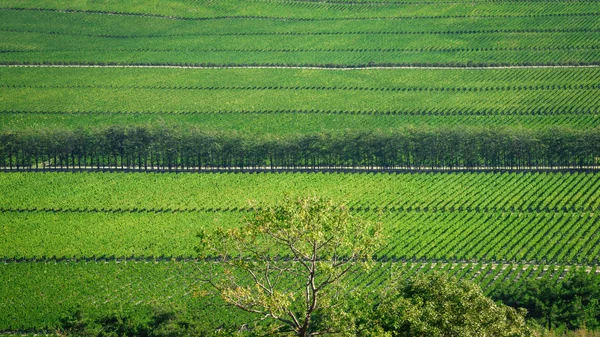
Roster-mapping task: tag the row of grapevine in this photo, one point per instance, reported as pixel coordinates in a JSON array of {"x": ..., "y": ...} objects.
[
  {"x": 303, "y": 10},
  {"x": 328, "y": 60},
  {"x": 192, "y": 78},
  {"x": 417, "y": 192},
  {"x": 445, "y": 236}
]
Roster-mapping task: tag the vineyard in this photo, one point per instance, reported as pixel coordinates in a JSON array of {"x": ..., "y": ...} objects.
[
  {"x": 481, "y": 226},
  {"x": 302, "y": 33},
  {"x": 469, "y": 129}
]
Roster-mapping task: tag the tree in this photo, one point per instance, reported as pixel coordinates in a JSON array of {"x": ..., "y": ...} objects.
[
  {"x": 297, "y": 257},
  {"x": 439, "y": 305},
  {"x": 570, "y": 303}
]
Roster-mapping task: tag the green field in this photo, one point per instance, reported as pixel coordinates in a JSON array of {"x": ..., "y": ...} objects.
[
  {"x": 284, "y": 101},
  {"x": 300, "y": 33},
  {"x": 447, "y": 74}
]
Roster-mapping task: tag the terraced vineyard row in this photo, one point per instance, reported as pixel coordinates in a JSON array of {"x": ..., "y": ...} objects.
[
  {"x": 583, "y": 51},
  {"x": 291, "y": 122},
  {"x": 556, "y": 237},
  {"x": 515, "y": 79},
  {"x": 312, "y": 10},
  {"x": 483, "y": 192},
  {"x": 36, "y": 295},
  {"x": 164, "y": 100}
]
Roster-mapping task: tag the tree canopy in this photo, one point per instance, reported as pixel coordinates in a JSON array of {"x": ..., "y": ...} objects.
[
  {"x": 289, "y": 263},
  {"x": 438, "y": 305}
]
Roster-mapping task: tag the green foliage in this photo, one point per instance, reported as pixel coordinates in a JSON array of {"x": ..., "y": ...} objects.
[
  {"x": 459, "y": 216},
  {"x": 37, "y": 294},
  {"x": 324, "y": 34},
  {"x": 512, "y": 225},
  {"x": 535, "y": 98},
  {"x": 141, "y": 322},
  {"x": 327, "y": 246},
  {"x": 172, "y": 149},
  {"x": 571, "y": 303},
  {"x": 438, "y": 305}
]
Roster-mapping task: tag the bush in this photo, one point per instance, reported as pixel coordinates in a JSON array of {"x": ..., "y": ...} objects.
[
  {"x": 439, "y": 305},
  {"x": 142, "y": 322}
]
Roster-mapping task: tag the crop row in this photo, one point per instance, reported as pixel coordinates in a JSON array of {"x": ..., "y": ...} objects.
[
  {"x": 316, "y": 33},
  {"x": 294, "y": 77},
  {"x": 293, "y": 18},
  {"x": 322, "y": 88},
  {"x": 193, "y": 10},
  {"x": 330, "y": 60},
  {"x": 149, "y": 100},
  {"x": 118, "y": 26},
  {"x": 554, "y": 114},
  {"x": 76, "y": 35},
  {"x": 36, "y": 295},
  {"x": 500, "y": 191},
  {"x": 417, "y": 209},
  {"x": 359, "y": 208},
  {"x": 317, "y": 50},
  {"x": 557, "y": 237},
  {"x": 286, "y": 122}
]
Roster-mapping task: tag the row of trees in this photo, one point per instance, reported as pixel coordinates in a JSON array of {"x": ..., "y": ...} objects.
[{"x": 173, "y": 149}]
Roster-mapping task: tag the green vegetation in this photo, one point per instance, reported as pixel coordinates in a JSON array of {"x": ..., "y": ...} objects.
[
  {"x": 57, "y": 93},
  {"x": 38, "y": 294},
  {"x": 478, "y": 192},
  {"x": 410, "y": 148},
  {"x": 59, "y": 224},
  {"x": 557, "y": 237},
  {"x": 91, "y": 253},
  {"x": 285, "y": 123},
  {"x": 288, "y": 33},
  {"x": 146, "y": 321},
  {"x": 571, "y": 303},
  {"x": 438, "y": 305},
  {"x": 287, "y": 102},
  {"x": 306, "y": 295}
]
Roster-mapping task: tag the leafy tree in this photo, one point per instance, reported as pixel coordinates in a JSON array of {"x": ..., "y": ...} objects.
[
  {"x": 289, "y": 263},
  {"x": 440, "y": 305},
  {"x": 571, "y": 303}
]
